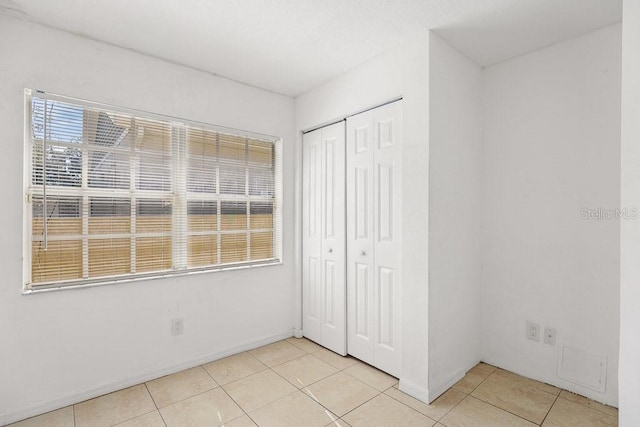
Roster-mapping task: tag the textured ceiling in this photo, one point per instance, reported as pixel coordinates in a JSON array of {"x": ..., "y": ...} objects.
[{"x": 291, "y": 46}]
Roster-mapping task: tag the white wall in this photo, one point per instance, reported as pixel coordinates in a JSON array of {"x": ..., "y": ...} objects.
[
  {"x": 455, "y": 154},
  {"x": 629, "y": 373},
  {"x": 400, "y": 72},
  {"x": 551, "y": 148},
  {"x": 59, "y": 347}
]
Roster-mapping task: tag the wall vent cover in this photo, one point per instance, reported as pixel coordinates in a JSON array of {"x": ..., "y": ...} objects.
[{"x": 583, "y": 368}]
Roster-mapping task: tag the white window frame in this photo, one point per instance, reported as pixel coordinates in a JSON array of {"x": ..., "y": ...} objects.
[{"x": 180, "y": 199}]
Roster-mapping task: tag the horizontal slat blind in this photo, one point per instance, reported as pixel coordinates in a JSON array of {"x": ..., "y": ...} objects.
[{"x": 114, "y": 194}]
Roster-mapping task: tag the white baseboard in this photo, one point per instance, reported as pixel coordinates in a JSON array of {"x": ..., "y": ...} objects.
[
  {"x": 428, "y": 394},
  {"x": 436, "y": 391},
  {"x": 414, "y": 390},
  {"x": 80, "y": 396},
  {"x": 297, "y": 333}
]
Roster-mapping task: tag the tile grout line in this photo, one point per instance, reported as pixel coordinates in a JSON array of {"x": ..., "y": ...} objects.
[
  {"x": 550, "y": 408},
  {"x": 113, "y": 392},
  {"x": 309, "y": 352},
  {"x": 587, "y": 406},
  {"x": 301, "y": 391},
  {"x": 535, "y": 381},
  {"x": 151, "y": 396},
  {"x": 329, "y": 376},
  {"x": 178, "y": 401},
  {"x": 289, "y": 382},
  {"x": 271, "y": 367},
  {"x": 452, "y": 408},
  {"x": 402, "y": 403},
  {"x": 238, "y": 405},
  {"x": 366, "y": 401},
  {"x": 467, "y": 394},
  {"x": 489, "y": 403},
  {"x": 296, "y": 358},
  {"x": 308, "y": 385},
  {"x": 399, "y": 401},
  {"x": 267, "y": 368},
  {"x": 137, "y": 416},
  {"x": 210, "y": 376},
  {"x": 504, "y": 410},
  {"x": 346, "y": 373},
  {"x": 155, "y": 404},
  {"x": 352, "y": 376},
  {"x": 333, "y": 366}
]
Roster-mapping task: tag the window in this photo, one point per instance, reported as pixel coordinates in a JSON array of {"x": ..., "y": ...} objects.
[{"x": 115, "y": 194}]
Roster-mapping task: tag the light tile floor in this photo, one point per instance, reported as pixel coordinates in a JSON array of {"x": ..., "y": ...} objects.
[{"x": 297, "y": 383}]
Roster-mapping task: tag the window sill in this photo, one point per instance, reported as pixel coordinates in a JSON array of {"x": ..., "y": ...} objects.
[{"x": 90, "y": 283}]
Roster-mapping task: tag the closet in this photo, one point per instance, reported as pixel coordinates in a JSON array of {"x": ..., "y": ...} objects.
[{"x": 351, "y": 187}]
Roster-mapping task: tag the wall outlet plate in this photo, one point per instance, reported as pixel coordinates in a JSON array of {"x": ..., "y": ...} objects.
[
  {"x": 533, "y": 331},
  {"x": 177, "y": 326},
  {"x": 550, "y": 335}
]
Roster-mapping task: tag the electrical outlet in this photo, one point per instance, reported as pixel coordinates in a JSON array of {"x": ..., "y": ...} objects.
[
  {"x": 550, "y": 335},
  {"x": 177, "y": 326},
  {"x": 533, "y": 331}
]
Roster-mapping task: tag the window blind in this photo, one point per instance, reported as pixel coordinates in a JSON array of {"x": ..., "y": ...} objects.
[{"x": 114, "y": 194}]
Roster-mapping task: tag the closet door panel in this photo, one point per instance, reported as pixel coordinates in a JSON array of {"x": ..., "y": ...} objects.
[
  {"x": 360, "y": 275},
  {"x": 373, "y": 236},
  {"x": 323, "y": 247},
  {"x": 334, "y": 239},
  {"x": 387, "y": 165},
  {"x": 312, "y": 235}
]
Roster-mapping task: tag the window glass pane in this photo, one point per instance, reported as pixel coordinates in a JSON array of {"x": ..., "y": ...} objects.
[
  {"x": 202, "y": 161},
  {"x": 234, "y": 215},
  {"x": 153, "y": 254},
  {"x": 261, "y": 246},
  {"x": 61, "y": 261},
  {"x": 232, "y": 149},
  {"x": 232, "y": 164},
  {"x": 109, "y": 257},
  {"x": 57, "y": 207},
  {"x": 234, "y": 247},
  {"x": 61, "y": 126},
  {"x": 260, "y": 153},
  {"x": 62, "y": 121},
  {"x": 108, "y": 170},
  {"x": 261, "y": 215},
  {"x": 64, "y": 167},
  {"x": 153, "y": 155},
  {"x": 109, "y": 215},
  {"x": 203, "y": 215},
  {"x": 153, "y": 173},
  {"x": 105, "y": 131},
  {"x": 232, "y": 180},
  {"x": 201, "y": 175},
  {"x": 261, "y": 182},
  {"x": 153, "y": 216},
  {"x": 202, "y": 250},
  {"x": 109, "y": 207},
  {"x": 36, "y": 164},
  {"x": 64, "y": 216}
]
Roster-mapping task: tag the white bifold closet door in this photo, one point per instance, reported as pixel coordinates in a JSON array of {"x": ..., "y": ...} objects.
[
  {"x": 374, "y": 161},
  {"x": 323, "y": 243}
]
